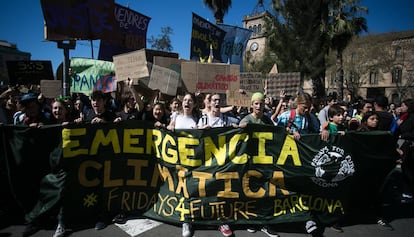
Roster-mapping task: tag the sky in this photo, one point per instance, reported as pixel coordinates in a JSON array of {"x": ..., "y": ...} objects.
[{"x": 21, "y": 23}]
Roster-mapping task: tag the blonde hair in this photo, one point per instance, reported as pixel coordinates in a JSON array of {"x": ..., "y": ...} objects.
[{"x": 304, "y": 98}]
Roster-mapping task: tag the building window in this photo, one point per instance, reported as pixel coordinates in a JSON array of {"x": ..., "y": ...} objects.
[
  {"x": 396, "y": 75},
  {"x": 395, "y": 98},
  {"x": 397, "y": 52},
  {"x": 333, "y": 78},
  {"x": 352, "y": 77},
  {"x": 373, "y": 79},
  {"x": 259, "y": 29},
  {"x": 254, "y": 30}
]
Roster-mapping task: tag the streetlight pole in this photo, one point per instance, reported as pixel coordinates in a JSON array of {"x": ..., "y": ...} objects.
[{"x": 66, "y": 46}]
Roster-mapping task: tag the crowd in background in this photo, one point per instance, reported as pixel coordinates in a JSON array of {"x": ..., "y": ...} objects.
[{"x": 299, "y": 114}]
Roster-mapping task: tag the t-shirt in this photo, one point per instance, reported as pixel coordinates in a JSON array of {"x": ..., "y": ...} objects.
[
  {"x": 251, "y": 119},
  {"x": 217, "y": 122},
  {"x": 386, "y": 120},
  {"x": 185, "y": 122}
]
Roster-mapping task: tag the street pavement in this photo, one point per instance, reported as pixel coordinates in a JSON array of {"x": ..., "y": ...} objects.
[{"x": 361, "y": 224}]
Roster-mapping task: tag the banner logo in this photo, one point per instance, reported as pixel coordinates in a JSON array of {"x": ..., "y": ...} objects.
[{"x": 333, "y": 157}]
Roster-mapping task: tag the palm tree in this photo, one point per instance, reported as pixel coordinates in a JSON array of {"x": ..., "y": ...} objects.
[
  {"x": 219, "y": 7},
  {"x": 344, "y": 23}
]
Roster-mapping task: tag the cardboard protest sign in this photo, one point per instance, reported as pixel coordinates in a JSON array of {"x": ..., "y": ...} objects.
[
  {"x": 289, "y": 82},
  {"x": 164, "y": 79},
  {"x": 251, "y": 81},
  {"x": 131, "y": 65},
  {"x": 173, "y": 64},
  {"x": 51, "y": 88},
  {"x": 210, "y": 77},
  {"x": 236, "y": 98}
]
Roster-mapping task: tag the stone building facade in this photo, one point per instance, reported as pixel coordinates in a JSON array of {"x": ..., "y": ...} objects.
[{"x": 377, "y": 64}]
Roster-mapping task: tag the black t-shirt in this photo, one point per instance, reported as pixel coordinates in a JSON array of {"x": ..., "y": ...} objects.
[
  {"x": 134, "y": 115},
  {"x": 109, "y": 116},
  {"x": 385, "y": 120}
]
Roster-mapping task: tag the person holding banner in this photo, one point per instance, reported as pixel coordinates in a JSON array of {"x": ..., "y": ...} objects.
[
  {"x": 257, "y": 115},
  {"x": 215, "y": 119},
  {"x": 31, "y": 112},
  {"x": 99, "y": 113},
  {"x": 297, "y": 122},
  {"x": 207, "y": 105},
  {"x": 158, "y": 116},
  {"x": 300, "y": 120},
  {"x": 187, "y": 118},
  {"x": 50, "y": 200}
]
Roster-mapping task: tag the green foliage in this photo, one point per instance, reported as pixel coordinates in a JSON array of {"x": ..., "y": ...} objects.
[{"x": 163, "y": 43}]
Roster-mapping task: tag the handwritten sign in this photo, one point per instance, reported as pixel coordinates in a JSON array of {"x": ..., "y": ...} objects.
[
  {"x": 289, "y": 82},
  {"x": 164, "y": 79},
  {"x": 251, "y": 81},
  {"x": 51, "y": 88},
  {"x": 131, "y": 65},
  {"x": 236, "y": 98}
]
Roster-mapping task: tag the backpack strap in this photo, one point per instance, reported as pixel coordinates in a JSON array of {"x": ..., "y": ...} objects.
[
  {"x": 291, "y": 118},
  {"x": 204, "y": 119}
]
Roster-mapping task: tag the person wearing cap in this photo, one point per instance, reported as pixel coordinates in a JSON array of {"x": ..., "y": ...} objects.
[
  {"x": 257, "y": 117},
  {"x": 31, "y": 112},
  {"x": 257, "y": 114}
]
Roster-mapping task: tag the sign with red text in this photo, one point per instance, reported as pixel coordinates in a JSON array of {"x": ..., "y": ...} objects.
[{"x": 210, "y": 77}]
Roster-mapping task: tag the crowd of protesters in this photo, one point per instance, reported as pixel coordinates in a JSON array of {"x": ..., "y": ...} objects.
[{"x": 298, "y": 114}]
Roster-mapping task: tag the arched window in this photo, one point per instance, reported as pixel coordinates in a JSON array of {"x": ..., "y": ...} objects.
[
  {"x": 254, "y": 30},
  {"x": 259, "y": 29}
]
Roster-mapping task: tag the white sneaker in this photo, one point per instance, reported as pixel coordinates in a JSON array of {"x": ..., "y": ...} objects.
[
  {"x": 269, "y": 231},
  {"x": 60, "y": 231},
  {"x": 251, "y": 230},
  {"x": 187, "y": 230},
  {"x": 311, "y": 226}
]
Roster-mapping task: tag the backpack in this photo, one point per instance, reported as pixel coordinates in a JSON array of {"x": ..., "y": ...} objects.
[{"x": 312, "y": 125}]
